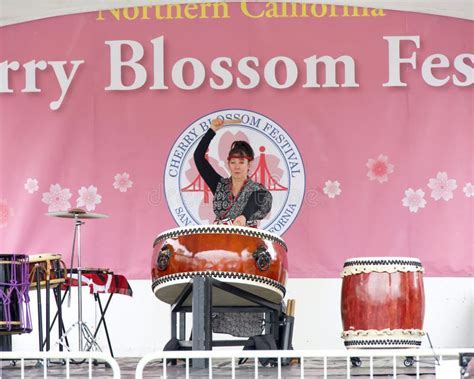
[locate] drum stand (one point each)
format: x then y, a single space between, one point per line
278 324
83 330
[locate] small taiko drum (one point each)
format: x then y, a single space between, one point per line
15 317
46 268
382 302
247 258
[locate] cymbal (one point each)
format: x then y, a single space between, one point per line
81 214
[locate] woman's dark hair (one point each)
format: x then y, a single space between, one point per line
241 149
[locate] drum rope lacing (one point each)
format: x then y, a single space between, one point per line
359 266
19 287
383 343
384 337
219 274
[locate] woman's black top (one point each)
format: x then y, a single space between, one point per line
254 201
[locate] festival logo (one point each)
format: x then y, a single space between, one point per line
277 165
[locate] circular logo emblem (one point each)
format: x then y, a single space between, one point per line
277 165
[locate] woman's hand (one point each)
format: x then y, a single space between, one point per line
216 124
240 221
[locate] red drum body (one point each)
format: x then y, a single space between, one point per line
248 258
382 303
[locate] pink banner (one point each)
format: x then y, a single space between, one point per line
361 120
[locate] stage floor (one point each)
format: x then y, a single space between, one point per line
314 369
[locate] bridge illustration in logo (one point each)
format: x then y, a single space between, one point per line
261 175
278 166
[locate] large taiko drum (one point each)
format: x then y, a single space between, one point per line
382 302
247 258
15 315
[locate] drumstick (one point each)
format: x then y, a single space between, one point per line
232 122
290 311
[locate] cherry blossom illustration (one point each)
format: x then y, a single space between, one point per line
442 187
271 160
226 141
265 169
88 197
31 185
206 212
57 198
6 213
197 184
379 168
194 183
469 190
332 188
414 200
122 182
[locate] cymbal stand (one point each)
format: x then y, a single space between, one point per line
83 330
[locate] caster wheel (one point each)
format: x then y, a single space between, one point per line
356 362
409 361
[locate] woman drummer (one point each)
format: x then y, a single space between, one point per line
238 199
